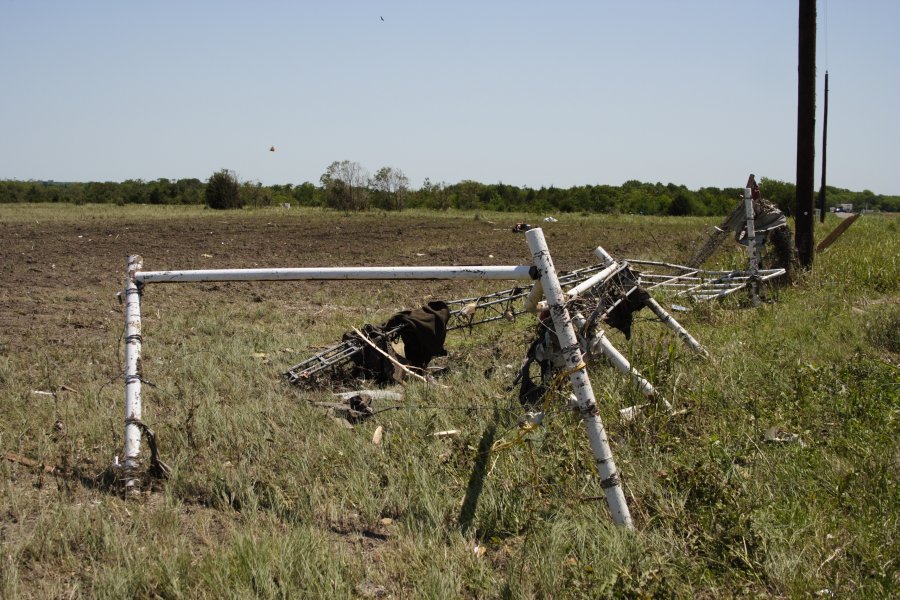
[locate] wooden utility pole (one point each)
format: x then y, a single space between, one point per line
806 132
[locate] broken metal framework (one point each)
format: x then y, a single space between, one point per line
695 284
596 293
493 307
753 222
464 313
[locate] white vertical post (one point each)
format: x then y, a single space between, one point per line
581 385
752 250
132 370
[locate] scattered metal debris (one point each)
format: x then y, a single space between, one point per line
753 221
373 394
697 285
446 434
780 436
570 334
33 464
465 313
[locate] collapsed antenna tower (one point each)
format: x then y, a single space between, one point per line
754 221
541 271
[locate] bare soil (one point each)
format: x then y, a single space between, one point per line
59 280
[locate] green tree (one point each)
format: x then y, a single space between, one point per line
779 193
390 187
346 186
306 194
253 193
223 190
682 204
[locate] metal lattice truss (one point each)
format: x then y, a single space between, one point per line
596 292
504 305
697 285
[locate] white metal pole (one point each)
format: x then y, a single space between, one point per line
578 378
601 341
331 273
675 326
598 278
132 370
604 256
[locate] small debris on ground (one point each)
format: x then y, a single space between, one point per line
373 394
376 437
446 434
778 435
367 589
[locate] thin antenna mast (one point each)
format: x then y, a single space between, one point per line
824 153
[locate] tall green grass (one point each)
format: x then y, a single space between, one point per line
271 497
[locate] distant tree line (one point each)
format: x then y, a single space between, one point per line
347 186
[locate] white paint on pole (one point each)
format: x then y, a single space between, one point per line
581 385
335 273
601 342
132 370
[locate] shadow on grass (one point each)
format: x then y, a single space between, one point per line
106 481
479 472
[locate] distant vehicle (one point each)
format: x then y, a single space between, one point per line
843 208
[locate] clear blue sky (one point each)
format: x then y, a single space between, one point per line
697 92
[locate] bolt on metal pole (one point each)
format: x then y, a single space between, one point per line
584 402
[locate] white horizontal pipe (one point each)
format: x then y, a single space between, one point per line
373 394
325 273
